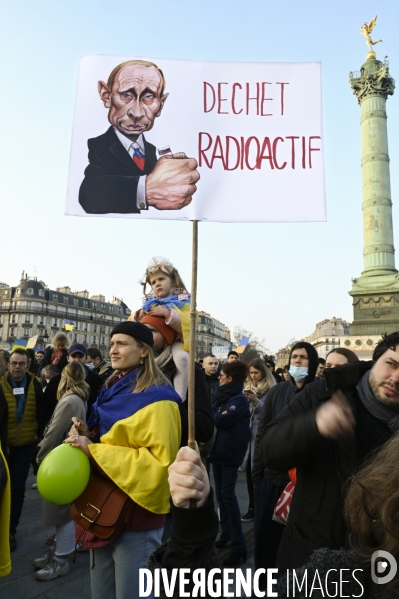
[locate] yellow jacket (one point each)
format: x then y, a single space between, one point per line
24 432
5 558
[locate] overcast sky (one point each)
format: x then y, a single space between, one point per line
278 280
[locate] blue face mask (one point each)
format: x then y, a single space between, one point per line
298 373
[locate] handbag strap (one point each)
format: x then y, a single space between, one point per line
92 510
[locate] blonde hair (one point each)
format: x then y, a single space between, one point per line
130 63
73 381
149 373
173 275
61 339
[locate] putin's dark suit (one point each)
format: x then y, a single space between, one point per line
111 179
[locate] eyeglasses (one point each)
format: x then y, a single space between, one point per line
18 363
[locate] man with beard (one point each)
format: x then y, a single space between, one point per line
163 339
328 432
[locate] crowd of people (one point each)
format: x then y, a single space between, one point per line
322 433
339 431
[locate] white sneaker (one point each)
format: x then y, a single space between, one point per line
43 560
55 568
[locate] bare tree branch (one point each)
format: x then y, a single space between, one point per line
256 348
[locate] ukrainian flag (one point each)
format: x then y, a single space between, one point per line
68 325
242 344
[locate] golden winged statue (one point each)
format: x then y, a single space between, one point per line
366 30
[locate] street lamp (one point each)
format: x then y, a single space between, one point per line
45 338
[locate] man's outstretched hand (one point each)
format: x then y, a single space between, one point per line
335 418
171 184
188 479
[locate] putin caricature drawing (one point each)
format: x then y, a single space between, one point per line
124 175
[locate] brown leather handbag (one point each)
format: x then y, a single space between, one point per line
103 508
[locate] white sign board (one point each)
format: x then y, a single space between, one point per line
217 350
183 140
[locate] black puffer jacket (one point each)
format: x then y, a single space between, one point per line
277 398
231 414
323 465
191 544
212 384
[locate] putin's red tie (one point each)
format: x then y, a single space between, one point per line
138 156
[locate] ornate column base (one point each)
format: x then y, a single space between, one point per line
375 305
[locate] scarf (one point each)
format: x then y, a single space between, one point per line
164 358
375 407
225 392
172 301
119 402
259 389
20 398
55 357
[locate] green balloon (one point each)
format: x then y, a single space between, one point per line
63 474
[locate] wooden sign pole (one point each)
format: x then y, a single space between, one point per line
193 310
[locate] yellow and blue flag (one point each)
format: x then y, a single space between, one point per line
69 325
242 344
181 303
19 344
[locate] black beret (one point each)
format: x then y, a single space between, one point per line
136 330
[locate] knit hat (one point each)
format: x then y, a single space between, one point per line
158 322
136 330
313 358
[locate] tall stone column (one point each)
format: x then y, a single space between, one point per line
376 292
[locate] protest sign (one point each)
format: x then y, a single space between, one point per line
220 351
32 341
252 133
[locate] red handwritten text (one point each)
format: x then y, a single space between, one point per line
246 98
292 151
